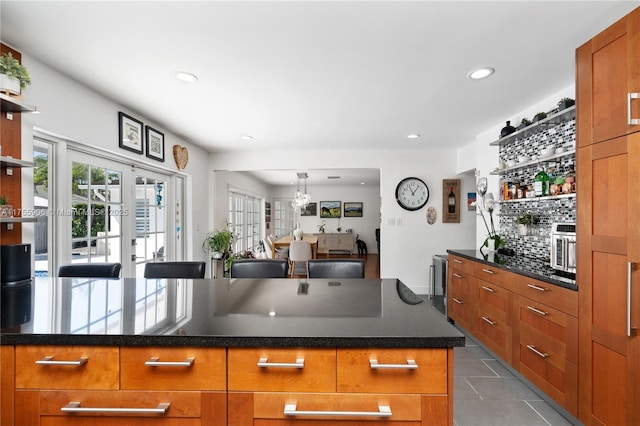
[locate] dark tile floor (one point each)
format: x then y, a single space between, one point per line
487 394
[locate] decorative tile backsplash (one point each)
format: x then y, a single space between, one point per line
548 209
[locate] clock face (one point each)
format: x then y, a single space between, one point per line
412 193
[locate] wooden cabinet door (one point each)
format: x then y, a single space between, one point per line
609 281
608 80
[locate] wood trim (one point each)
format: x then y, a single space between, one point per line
7 384
584 110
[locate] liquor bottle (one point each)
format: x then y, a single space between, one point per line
452 201
541 184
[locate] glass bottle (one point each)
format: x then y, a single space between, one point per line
541 184
452 201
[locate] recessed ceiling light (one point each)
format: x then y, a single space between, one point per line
246 137
186 77
481 73
413 136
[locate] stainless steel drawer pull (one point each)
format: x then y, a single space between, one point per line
488 271
383 411
535 287
458 301
458 261
537 311
75 407
410 365
263 362
537 352
48 360
154 362
632 121
489 289
489 321
457 275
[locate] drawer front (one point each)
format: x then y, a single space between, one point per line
327 407
392 370
461 264
557 330
280 369
67 367
552 373
493 275
460 310
461 283
495 300
173 368
181 404
495 333
559 298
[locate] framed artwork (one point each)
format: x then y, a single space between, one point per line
451 201
310 210
352 209
155 143
471 201
130 133
330 209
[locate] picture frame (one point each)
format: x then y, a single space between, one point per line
130 135
154 143
330 209
451 201
310 210
352 209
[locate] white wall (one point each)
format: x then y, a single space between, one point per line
407 241
77 113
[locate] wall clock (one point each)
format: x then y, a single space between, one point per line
412 193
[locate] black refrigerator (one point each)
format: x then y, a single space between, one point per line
439 283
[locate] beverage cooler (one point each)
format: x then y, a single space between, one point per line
15 285
439 282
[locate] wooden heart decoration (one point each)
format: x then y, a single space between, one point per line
181 156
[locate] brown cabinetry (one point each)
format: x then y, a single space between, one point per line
74 385
340 386
608 88
528 323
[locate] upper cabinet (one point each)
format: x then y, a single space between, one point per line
608 82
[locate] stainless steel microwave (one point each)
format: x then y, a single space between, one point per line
563 247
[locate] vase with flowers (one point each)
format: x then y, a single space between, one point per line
493 241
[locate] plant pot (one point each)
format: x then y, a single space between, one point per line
6 210
216 255
523 229
9 85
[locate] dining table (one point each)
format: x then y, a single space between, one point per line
286 242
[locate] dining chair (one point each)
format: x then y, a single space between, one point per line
182 269
336 268
259 268
90 270
280 253
299 251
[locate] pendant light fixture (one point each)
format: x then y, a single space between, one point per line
301 199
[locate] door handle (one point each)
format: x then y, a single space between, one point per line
263 362
75 407
630 329
632 121
292 410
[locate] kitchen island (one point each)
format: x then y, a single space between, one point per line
218 352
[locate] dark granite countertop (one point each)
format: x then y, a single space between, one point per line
222 312
534 268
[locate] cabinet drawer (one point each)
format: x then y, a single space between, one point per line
67 367
461 264
280 369
460 310
173 368
461 283
181 404
559 298
326 407
555 329
494 300
492 274
494 333
392 370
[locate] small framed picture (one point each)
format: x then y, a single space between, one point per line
330 209
155 144
310 210
130 133
352 209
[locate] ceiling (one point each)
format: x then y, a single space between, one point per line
313 74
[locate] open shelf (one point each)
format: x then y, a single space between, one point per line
549 197
18 219
15 162
12 104
533 162
551 120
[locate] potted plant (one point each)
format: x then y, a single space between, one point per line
524 220
218 242
524 123
13 76
539 116
6 210
565 103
